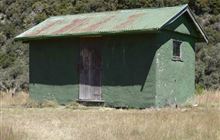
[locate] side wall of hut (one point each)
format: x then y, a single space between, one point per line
175 80
128 70
53 70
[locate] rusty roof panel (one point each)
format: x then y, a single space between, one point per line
103 22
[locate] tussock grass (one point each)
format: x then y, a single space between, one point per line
101 124
8 133
75 105
200 121
49 103
208 99
22 99
18 99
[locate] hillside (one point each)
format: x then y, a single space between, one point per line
17 16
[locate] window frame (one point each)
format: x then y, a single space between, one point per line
174 56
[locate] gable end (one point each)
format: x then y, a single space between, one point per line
185 22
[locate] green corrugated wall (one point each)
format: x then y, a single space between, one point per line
174 79
128 78
128 70
53 73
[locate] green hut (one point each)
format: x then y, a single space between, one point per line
128 58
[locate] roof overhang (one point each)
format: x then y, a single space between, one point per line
91 34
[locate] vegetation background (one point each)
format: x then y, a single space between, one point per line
17 16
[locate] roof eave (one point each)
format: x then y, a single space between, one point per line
201 30
89 34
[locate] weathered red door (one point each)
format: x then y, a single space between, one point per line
90 69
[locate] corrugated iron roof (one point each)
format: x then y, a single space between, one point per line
102 23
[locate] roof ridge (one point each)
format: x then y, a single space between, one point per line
184 8
119 10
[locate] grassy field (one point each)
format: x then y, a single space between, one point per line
199 119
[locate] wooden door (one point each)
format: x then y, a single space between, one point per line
90 70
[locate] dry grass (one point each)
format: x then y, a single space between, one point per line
19 99
198 122
99 124
209 99
8 133
22 99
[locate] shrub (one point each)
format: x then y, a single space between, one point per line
199 89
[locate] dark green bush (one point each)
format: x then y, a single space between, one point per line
18 15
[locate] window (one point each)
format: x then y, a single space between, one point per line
177 50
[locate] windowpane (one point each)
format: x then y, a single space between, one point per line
176 49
